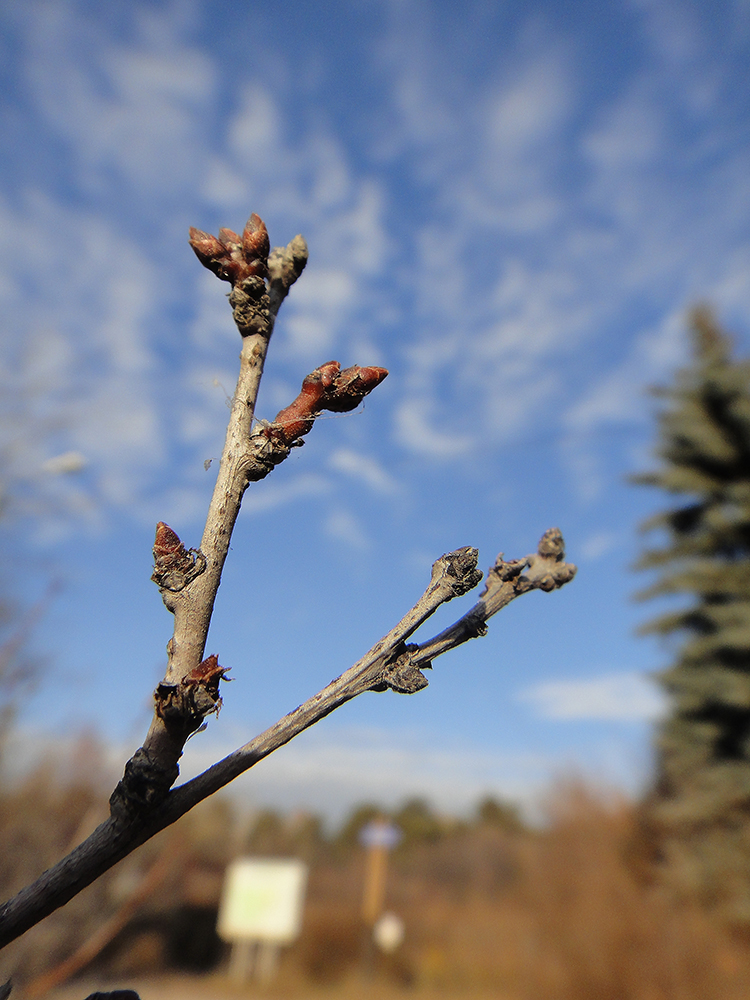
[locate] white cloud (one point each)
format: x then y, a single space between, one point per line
630 135
225 186
333 769
307 186
132 117
415 430
320 303
343 526
267 495
598 544
78 376
364 468
618 697
328 769
611 398
255 131
672 30
535 281
526 113
128 107
519 283
66 464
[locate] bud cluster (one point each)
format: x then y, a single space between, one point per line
231 257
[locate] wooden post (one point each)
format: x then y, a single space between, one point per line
375 875
378 837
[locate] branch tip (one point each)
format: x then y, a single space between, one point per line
255 242
231 257
326 388
552 544
458 570
546 569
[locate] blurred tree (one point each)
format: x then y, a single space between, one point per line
417 822
503 815
360 816
19 669
700 806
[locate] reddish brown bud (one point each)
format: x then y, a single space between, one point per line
255 240
174 565
352 385
202 686
167 543
206 246
327 388
183 706
230 239
207 672
198 237
231 257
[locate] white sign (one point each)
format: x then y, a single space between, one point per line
262 900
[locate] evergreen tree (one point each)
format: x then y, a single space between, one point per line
700 806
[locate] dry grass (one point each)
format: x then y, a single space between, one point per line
572 912
569 913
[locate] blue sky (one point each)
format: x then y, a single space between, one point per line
510 206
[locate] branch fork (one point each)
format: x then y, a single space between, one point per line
144 801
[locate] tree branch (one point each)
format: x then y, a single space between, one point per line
389 664
142 803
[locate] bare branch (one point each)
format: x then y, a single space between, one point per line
543 570
189 579
142 803
157 873
389 664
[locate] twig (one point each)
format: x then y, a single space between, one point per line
389 664
260 282
543 570
142 803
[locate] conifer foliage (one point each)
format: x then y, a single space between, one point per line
700 806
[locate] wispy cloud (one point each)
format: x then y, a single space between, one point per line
364 468
267 495
345 527
551 289
598 544
416 431
132 113
546 264
618 697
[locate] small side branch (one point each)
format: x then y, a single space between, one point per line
327 388
544 570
